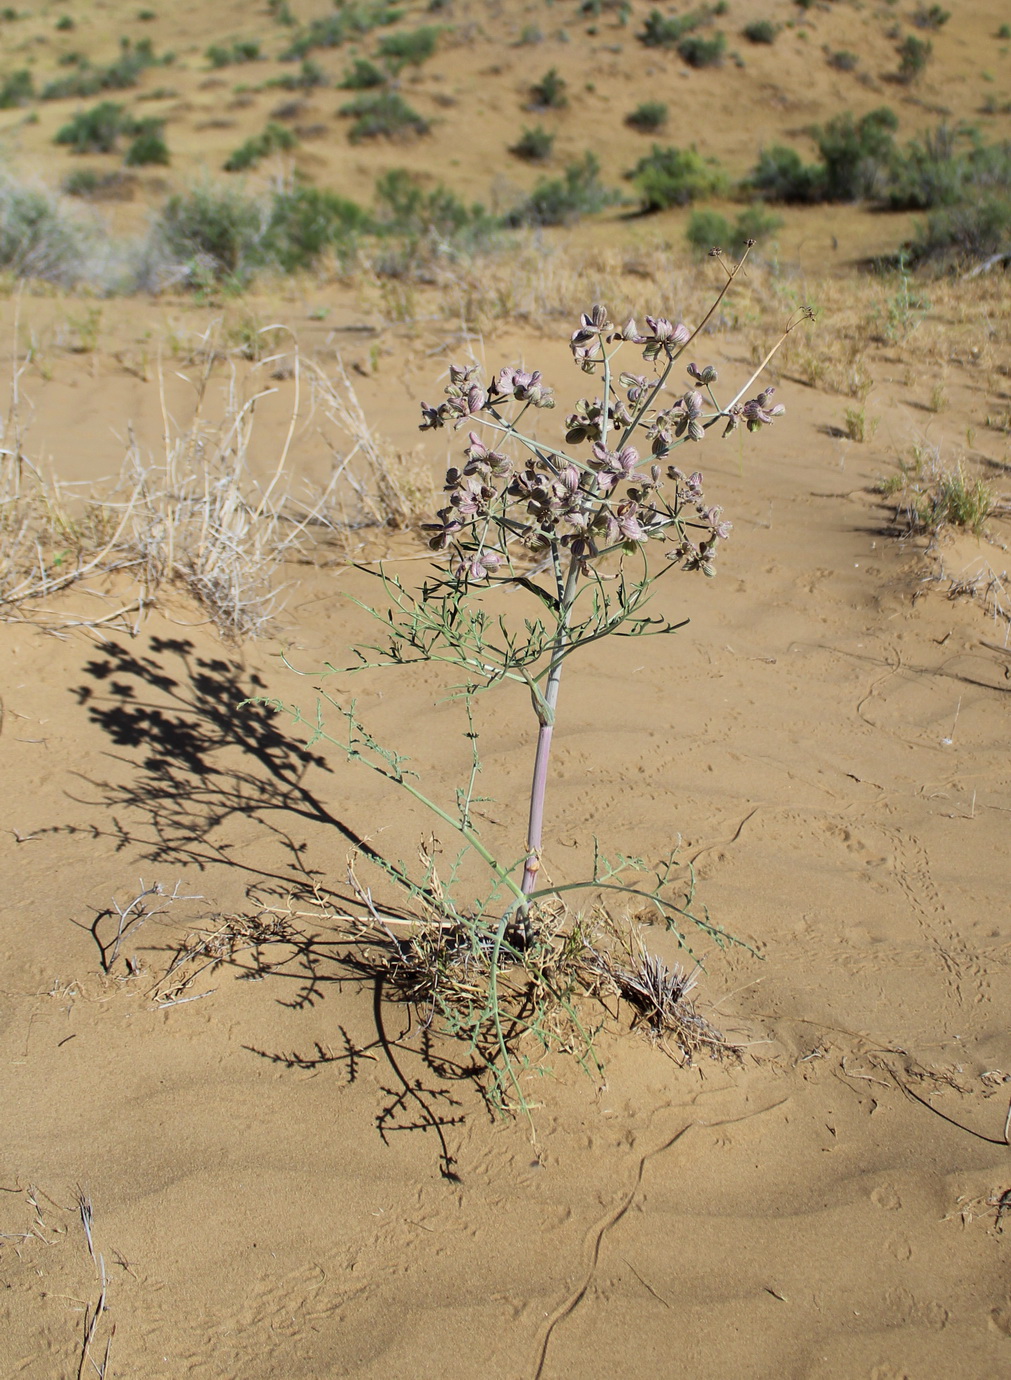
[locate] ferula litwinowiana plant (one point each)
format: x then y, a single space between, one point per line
585 529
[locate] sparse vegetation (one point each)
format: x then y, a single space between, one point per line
930 17
914 54
274 139
702 52
125 72
562 201
930 496
363 75
148 146
549 93
534 145
97 130
671 176
225 55
761 31
383 116
17 88
648 117
667 32
408 49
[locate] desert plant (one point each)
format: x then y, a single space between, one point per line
671 176
212 234
386 115
756 223
95 131
309 76
17 88
363 75
930 17
242 50
761 31
782 175
274 139
134 59
405 209
569 527
648 117
702 52
533 145
929 495
858 426
914 54
408 49
306 221
37 239
843 60
856 154
708 230
549 93
667 32
148 146
561 201
978 228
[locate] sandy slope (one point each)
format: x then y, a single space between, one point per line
269 1178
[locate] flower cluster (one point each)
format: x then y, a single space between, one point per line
605 499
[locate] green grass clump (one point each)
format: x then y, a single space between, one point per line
702 52
242 50
383 116
363 75
134 60
930 17
309 75
842 60
409 49
405 208
274 139
562 201
663 32
977 229
307 221
648 117
17 88
708 229
95 131
148 147
761 31
856 158
549 93
914 54
533 145
930 497
353 19
671 176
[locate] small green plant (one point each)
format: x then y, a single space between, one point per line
648 117
274 139
213 235
859 427
363 75
17 88
914 54
408 49
309 76
761 31
842 60
562 201
930 496
148 146
702 52
530 35
671 176
664 32
534 145
146 16
575 529
757 223
307 221
280 12
938 398
95 131
242 50
549 93
383 116
905 309
64 24
1004 32
930 17
134 59
708 232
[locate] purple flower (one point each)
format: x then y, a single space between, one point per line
478 565
757 412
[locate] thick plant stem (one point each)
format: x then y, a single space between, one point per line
538 786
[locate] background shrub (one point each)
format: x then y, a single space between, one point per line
761 31
96 130
362 75
708 230
534 145
17 88
274 139
309 75
561 201
667 32
408 49
675 177
648 117
914 54
242 50
37 240
148 146
702 52
307 221
214 233
386 115
549 92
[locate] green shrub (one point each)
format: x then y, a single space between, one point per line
148 147
404 207
307 221
708 230
309 75
353 19
914 54
37 240
756 223
386 115
856 154
408 49
549 92
975 229
242 50
843 60
782 175
702 52
662 32
145 16
648 117
65 23
534 145
362 75
96 130
217 233
1004 32
125 72
561 201
92 185
17 88
274 139
930 17
675 177
761 31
